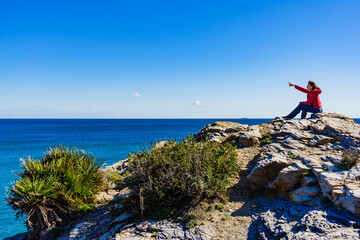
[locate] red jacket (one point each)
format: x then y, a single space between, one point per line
313 98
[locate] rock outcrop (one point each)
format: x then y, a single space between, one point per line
301 158
112 221
285 220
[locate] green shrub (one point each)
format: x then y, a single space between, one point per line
162 213
292 155
54 187
220 207
181 172
309 173
349 160
116 177
266 138
191 221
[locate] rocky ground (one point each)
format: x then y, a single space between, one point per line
294 184
302 161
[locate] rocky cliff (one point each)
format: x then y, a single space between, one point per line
311 161
305 159
299 179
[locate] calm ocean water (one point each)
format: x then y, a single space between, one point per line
108 139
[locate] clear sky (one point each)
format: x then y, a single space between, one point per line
176 59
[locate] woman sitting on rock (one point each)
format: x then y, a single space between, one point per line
312 104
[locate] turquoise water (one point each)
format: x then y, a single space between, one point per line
108 139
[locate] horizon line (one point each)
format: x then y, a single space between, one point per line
130 118
139 118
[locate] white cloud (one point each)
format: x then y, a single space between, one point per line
137 94
196 103
182 108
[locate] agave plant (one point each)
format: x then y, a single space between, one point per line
54 187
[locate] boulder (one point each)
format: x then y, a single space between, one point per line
301 135
272 227
332 184
164 229
351 201
215 129
236 129
108 195
250 138
305 194
79 230
283 220
227 124
316 222
292 143
289 177
321 140
120 219
265 171
336 159
309 181
351 197
294 127
274 148
118 166
339 125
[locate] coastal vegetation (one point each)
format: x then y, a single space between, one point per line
178 174
55 187
349 159
163 182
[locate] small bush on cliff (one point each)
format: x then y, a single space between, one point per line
54 187
116 177
266 139
180 172
349 160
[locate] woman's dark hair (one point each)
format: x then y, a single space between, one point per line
314 86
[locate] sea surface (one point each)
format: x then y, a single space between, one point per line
108 139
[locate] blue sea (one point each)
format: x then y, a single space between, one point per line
108 139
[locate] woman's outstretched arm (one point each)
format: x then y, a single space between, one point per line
298 88
304 90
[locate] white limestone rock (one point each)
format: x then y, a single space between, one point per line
321 140
250 138
268 169
305 194
289 177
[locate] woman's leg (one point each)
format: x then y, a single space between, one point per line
305 109
294 112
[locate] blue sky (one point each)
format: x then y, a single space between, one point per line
176 59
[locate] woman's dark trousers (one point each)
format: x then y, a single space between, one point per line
305 109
